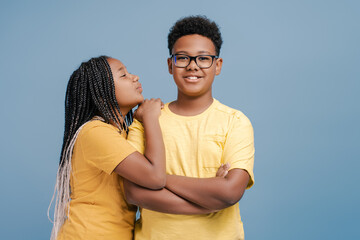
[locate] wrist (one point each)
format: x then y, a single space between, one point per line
150 120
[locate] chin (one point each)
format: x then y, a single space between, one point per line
139 101
134 104
193 93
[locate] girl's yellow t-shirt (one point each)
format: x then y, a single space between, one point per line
98 209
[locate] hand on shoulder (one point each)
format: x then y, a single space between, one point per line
149 109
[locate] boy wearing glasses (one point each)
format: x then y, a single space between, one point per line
200 134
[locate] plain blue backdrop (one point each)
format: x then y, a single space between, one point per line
293 67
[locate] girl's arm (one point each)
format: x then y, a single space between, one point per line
147 170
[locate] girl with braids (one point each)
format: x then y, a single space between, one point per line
95 156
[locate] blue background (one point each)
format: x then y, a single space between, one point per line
291 66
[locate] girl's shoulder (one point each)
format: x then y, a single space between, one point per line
97 127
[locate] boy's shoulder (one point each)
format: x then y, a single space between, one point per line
231 112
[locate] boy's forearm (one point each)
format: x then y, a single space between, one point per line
161 200
211 193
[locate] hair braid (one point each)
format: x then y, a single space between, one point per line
90 92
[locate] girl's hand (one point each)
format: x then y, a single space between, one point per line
223 170
149 109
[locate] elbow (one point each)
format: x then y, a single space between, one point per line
158 182
232 197
225 201
231 201
130 199
130 195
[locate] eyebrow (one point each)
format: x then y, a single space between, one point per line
121 68
200 52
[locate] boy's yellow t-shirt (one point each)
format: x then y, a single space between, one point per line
98 209
196 146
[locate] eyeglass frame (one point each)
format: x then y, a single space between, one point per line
194 58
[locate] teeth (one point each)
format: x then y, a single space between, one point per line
192 78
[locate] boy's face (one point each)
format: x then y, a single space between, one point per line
192 80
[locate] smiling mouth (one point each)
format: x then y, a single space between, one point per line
192 79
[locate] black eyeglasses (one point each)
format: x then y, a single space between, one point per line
183 60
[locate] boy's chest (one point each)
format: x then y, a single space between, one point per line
193 149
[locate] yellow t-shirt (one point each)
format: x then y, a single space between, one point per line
195 147
98 209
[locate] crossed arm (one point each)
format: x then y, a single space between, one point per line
186 195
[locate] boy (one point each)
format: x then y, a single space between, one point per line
200 134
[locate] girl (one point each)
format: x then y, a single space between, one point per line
96 157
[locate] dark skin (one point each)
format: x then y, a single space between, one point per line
164 200
147 170
187 195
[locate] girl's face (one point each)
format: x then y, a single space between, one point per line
127 87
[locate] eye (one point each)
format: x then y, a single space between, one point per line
123 75
204 58
181 57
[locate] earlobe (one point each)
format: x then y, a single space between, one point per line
169 62
219 63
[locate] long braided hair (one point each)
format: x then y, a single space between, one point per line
90 95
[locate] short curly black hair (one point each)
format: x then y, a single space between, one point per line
195 25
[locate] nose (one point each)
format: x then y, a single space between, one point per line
135 78
192 64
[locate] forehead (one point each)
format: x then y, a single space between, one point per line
115 65
194 44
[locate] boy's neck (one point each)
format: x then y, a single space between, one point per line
191 106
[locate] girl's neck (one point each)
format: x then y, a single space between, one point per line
124 113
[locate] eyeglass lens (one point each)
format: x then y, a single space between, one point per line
184 60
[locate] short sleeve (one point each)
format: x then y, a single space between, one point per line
239 146
136 136
103 146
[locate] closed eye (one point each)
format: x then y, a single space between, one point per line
204 58
181 57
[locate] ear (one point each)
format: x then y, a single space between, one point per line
218 66
169 62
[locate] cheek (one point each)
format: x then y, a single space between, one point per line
177 76
126 95
179 83
121 92
120 98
